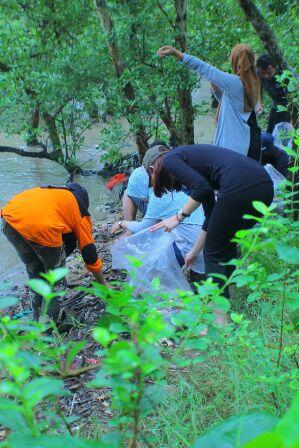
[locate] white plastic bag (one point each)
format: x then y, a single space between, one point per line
281 134
276 177
155 251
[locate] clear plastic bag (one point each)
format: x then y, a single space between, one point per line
155 251
281 134
276 177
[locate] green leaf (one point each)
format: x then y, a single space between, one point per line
19 440
236 431
118 327
11 416
222 303
103 336
198 344
261 207
287 253
74 351
6 302
54 276
40 388
156 283
288 427
237 318
40 287
242 280
254 296
266 440
281 108
134 262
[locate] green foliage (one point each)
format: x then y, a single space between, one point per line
136 364
61 67
236 431
255 431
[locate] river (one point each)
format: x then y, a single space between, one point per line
19 173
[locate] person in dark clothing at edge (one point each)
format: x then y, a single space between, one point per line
278 158
203 169
44 225
267 71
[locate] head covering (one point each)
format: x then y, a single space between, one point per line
81 195
243 64
152 154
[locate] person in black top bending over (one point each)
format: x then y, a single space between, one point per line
203 169
267 71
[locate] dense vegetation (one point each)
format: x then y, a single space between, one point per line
64 65
168 384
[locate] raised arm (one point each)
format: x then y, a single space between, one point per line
225 81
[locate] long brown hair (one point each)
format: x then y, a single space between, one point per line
243 64
161 180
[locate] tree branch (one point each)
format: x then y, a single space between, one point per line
21 152
263 30
167 16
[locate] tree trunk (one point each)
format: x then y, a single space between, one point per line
93 111
264 32
33 127
141 139
184 94
174 135
119 67
53 132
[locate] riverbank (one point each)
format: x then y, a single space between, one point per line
19 173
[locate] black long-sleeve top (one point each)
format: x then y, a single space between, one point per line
275 90
206 168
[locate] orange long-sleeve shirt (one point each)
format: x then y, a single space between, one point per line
44 215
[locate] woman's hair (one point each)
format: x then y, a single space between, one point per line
243 64
161 180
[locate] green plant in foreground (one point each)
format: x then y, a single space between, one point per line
141 350
255 431
32 368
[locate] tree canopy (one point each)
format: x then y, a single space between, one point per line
65 63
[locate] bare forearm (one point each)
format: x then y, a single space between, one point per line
129 208
178 54
200 242
190 206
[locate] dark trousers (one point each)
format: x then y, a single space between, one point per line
37 259
226 219
277 117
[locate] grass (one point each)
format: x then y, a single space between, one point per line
226 384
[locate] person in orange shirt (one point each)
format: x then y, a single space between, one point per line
45 224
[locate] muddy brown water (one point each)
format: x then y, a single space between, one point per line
19 173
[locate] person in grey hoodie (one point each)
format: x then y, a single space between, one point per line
238 94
